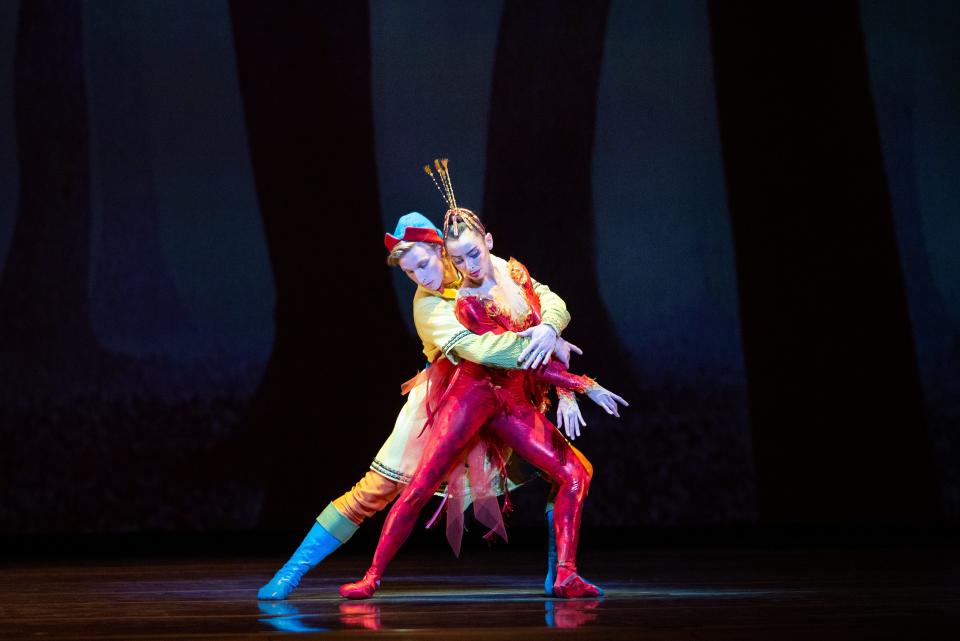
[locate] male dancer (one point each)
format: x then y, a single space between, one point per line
417 239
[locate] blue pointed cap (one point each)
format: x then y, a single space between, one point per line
413 227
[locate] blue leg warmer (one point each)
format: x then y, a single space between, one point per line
551 554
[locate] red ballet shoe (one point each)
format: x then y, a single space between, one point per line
362 589
570 585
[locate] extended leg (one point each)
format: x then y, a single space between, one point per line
373 493
335 525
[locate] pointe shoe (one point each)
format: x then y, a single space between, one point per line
570 585
362 589
315 547
551 556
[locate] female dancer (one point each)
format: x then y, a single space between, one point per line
499 297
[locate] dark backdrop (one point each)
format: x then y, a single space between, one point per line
750 212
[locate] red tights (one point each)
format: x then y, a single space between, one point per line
481 397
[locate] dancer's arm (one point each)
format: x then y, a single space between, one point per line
557 375
471 313
553 311
569 417
443 335
544 337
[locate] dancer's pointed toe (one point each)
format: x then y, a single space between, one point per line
275 591
362 589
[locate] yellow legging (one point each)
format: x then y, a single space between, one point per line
370 495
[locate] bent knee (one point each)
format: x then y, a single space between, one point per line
583 459
587 467
576 478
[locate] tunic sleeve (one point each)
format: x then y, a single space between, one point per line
553 310
443 335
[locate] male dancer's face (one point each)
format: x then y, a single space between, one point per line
470 253
423 264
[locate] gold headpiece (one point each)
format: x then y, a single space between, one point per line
444 186
455 215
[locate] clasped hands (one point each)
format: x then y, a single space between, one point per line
544 344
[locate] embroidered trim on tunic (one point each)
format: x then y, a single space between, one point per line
400 477
390 473
450 344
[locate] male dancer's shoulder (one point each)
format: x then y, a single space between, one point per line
436 323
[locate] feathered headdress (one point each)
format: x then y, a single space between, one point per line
455 215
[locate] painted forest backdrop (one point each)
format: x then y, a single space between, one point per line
750 211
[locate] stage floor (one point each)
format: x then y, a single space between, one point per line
652 594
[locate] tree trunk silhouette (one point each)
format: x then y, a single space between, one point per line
330 393
899 90
134 300
45 334
538 191
899 49
836 411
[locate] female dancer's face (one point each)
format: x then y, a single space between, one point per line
471 255
423 265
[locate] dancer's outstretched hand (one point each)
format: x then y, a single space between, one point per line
562 351
569 418
606 399
543 338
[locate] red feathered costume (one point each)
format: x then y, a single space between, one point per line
476 396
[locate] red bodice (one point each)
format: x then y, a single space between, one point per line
481 315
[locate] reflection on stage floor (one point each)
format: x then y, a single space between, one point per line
650 594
